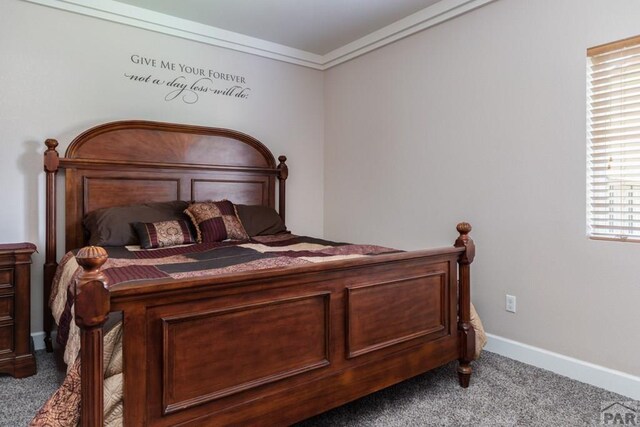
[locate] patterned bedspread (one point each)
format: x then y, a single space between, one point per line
127 264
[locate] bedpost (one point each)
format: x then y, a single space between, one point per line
465 330
92 305
51 162
283 174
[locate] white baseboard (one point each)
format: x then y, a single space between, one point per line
38 340
599 376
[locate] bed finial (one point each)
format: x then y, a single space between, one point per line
283 169
91 258
283 174
51 162
92 306
51 144
92 297
464 228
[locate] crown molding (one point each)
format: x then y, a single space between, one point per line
433 15
114 11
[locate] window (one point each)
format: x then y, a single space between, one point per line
614 140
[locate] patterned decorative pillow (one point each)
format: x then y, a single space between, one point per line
163 234
216 221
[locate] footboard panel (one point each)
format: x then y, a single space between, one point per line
273 350
383 314
241 347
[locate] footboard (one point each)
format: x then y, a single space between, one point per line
276 347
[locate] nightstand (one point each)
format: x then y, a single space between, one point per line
16 348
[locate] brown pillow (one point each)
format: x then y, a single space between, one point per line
114 226
163 234
216 221
260 220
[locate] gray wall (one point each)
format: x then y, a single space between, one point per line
483 119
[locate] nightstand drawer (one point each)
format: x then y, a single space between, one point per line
6 278
16 354
6 307
6 339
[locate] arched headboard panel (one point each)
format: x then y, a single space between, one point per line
154 142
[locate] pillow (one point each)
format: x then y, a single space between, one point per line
216 221
260 220
163 234
113 226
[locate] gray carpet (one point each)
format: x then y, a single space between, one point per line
20 399
503 392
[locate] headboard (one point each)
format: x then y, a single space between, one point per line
131 162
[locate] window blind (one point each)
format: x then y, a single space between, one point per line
613 210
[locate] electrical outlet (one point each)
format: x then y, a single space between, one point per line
510 303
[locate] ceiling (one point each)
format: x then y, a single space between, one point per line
315 26
318 34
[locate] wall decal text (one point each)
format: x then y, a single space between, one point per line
186 83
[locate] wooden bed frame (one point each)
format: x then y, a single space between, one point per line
320 335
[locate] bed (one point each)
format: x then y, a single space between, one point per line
327 333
